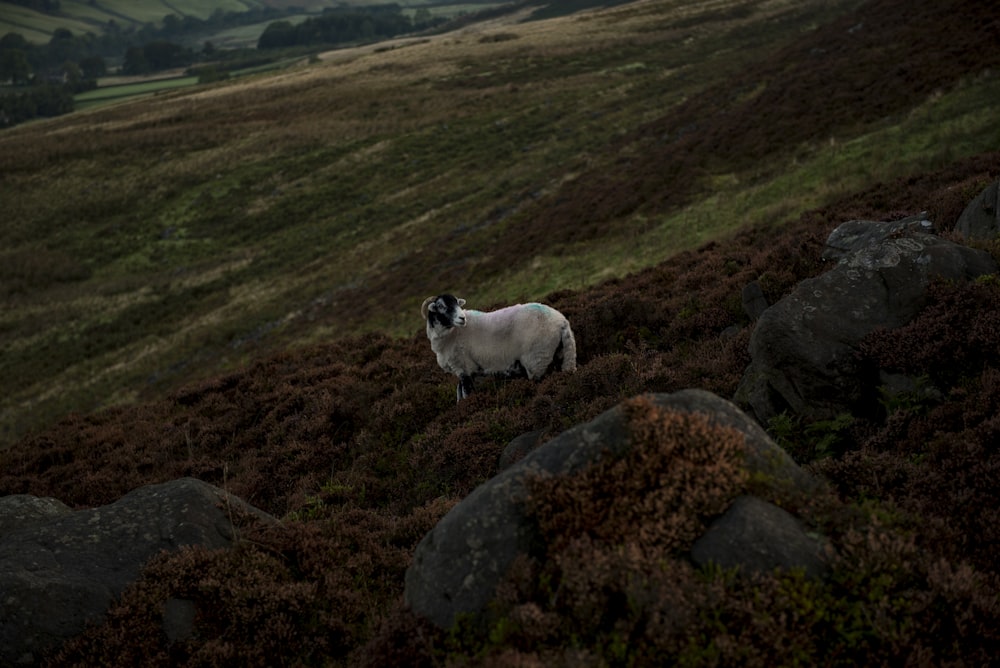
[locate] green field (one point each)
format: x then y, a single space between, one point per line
109 91
107 94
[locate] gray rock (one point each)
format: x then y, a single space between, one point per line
22 510
754 301
519 448
758 537
857 235
58 573
457 566
981 218
804 348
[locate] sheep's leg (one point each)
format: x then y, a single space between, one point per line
465 386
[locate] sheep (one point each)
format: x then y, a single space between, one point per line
517 341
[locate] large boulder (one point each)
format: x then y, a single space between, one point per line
804 348
61 569
457 566
981 218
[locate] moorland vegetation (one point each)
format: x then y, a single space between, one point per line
226 284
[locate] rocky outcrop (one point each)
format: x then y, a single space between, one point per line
60 569
458 565
804 348
981 218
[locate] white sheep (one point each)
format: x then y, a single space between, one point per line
521 340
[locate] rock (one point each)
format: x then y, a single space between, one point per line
981 218
23 510
757 536
858 235
804 348
754 301
457 566
60 569
519 448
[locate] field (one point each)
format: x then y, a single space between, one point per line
112 93
110 90
81 16
224 281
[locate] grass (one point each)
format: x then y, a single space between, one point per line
106 94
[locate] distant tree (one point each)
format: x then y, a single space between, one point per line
208 49
162 55
48 6
14 40
14 67
135 61
171 25
33 101
367 29
74 79
93 67
277 35
63 46
422 18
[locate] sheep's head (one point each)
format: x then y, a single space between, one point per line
444 311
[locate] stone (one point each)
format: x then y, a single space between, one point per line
60 570
804 349
981 218
756 536
458 564
519 448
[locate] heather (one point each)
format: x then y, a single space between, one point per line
360 447
351 434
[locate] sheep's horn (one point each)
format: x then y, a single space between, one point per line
423 307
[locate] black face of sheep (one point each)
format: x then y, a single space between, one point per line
517 341
444 312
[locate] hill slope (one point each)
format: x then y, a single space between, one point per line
154 242
185 235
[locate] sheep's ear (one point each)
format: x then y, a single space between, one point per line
425 307
461 303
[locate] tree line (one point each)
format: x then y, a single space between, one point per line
342 25
41 79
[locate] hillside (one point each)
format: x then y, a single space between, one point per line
236 273
37 21
177 237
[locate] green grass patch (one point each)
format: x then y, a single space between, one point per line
107 94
